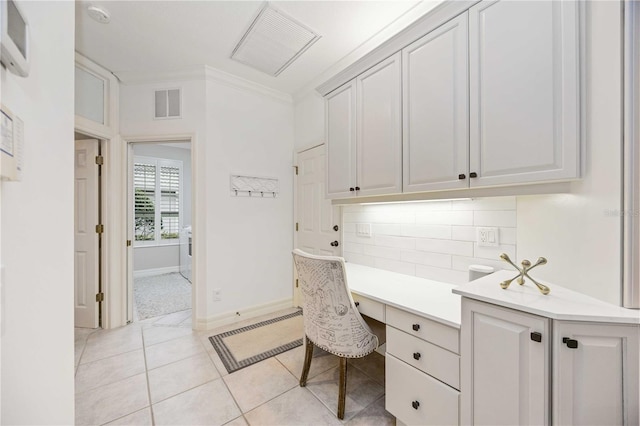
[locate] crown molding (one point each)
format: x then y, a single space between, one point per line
213 74
151 77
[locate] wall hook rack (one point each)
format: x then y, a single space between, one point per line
524 272
251 186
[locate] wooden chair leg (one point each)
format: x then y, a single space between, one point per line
342 391
308 354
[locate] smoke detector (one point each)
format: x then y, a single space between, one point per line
99 14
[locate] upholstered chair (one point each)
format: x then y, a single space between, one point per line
331 320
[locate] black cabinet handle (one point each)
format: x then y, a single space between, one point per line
473 175
416 327
335 244
352 189
357 188
335 228
573 344
536 337
415 405
357 304
462 176
416 356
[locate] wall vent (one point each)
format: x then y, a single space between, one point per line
168 103
273 42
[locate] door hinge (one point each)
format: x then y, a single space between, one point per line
100 297
296 167
99 229
296 226
296 283
99 160
128 243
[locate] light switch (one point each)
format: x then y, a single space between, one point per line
487 237
363 229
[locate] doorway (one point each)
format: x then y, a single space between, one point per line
160 229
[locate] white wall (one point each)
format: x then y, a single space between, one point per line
309 120
434 240
37 229
580 233
250 239
165 256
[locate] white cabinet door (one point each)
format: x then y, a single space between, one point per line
595 374
504 370
524 91
435 109
379 134
340 113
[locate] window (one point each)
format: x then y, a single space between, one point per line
157 185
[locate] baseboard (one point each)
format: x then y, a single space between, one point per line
242 314
156 271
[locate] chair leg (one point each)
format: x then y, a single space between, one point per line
308 354
342 391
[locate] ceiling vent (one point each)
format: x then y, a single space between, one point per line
273 42
168 103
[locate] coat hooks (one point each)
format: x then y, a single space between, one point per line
253 186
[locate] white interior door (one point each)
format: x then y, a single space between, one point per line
318 222
86 238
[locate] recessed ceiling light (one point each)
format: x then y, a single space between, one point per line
273 42
99 14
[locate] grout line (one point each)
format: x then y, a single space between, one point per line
146 373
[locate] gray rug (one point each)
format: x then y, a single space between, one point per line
161 295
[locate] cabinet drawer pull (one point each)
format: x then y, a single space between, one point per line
416 356
573 344
462 176
352 189
415 405
473 175
357 188
536 337
416 327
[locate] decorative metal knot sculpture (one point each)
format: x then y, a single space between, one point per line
524 272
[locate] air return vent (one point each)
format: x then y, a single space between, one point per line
273 42
168 104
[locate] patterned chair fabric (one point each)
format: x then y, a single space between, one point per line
331 320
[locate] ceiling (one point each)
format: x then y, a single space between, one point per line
163 36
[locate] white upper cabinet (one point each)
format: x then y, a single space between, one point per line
524 91
435 109
591 365
364 145
340 113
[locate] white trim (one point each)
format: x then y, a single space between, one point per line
227 79
155 271
109 128
243 314
147 77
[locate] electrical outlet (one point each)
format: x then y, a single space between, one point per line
216 295
487 237
363 229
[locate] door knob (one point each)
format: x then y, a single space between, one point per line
416 356
335 228
335 244
415 404
415 327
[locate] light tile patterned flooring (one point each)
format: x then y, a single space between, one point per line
160 372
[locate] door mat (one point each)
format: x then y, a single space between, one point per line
244 346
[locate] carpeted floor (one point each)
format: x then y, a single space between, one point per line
161 295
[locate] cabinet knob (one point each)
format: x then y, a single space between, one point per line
357 188
415 405
415 327
416 356
357 304
536 337
352 189
462 176
335 228
573 344
335 244
473 175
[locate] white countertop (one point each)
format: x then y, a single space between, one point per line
427 298
559 304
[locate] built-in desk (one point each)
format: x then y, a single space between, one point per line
423 342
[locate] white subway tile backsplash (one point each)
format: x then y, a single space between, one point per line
460 248
506 218
434 240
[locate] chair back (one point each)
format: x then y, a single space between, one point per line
331 320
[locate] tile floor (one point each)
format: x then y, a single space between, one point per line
160 372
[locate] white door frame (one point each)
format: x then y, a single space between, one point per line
125 201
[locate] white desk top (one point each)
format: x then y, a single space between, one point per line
427 298
560 303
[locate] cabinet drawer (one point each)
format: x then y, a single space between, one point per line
427 357
425 329
416 398
369 307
